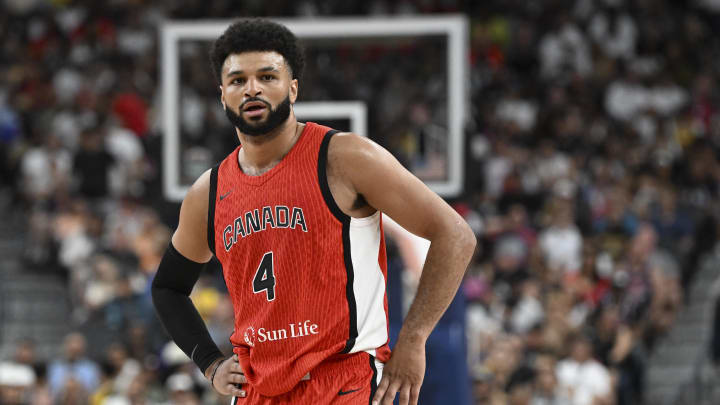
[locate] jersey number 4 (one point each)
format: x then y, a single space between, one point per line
264 277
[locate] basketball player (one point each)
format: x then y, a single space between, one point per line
294 217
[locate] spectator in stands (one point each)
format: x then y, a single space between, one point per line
614 30
46 170
546 390
564 50
125 368
182 389
582 380
16 383
73 376
26 353
92 165
561 242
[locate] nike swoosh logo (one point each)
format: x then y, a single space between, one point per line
225 195
341 392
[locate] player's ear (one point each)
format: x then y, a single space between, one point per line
222 97
293 90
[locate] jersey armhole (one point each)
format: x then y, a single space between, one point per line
323 180
211 208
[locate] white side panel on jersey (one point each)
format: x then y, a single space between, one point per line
369 283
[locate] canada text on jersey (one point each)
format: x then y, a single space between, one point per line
259 220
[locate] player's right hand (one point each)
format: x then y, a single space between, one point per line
229 377
403 374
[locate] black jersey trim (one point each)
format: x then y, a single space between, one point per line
211 208
373 381
345 220
349 292
322 178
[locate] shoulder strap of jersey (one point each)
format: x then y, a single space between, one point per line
211 208
322 177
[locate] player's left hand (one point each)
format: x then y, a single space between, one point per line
403 373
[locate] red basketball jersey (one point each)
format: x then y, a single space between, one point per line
306 280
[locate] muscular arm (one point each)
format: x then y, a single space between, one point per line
373 173
387 186
177 274
175 278
190 237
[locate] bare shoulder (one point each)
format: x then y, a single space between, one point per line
190 237
199 191
348 152
349 144
348 155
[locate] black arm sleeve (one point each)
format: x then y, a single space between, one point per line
171 289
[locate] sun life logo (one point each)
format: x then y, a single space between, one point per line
250 336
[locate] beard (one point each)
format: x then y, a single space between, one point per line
274 119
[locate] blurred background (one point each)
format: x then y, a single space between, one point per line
591 177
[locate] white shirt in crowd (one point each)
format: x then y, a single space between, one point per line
581 383
562 247
41 169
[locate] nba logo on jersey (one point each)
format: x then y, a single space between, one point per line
250 336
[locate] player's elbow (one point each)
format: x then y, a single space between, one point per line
163 294
458 233
467 240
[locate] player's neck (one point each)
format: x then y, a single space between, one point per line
260 153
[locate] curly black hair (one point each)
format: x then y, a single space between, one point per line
257 35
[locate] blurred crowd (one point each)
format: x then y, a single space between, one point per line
591 181
594 173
